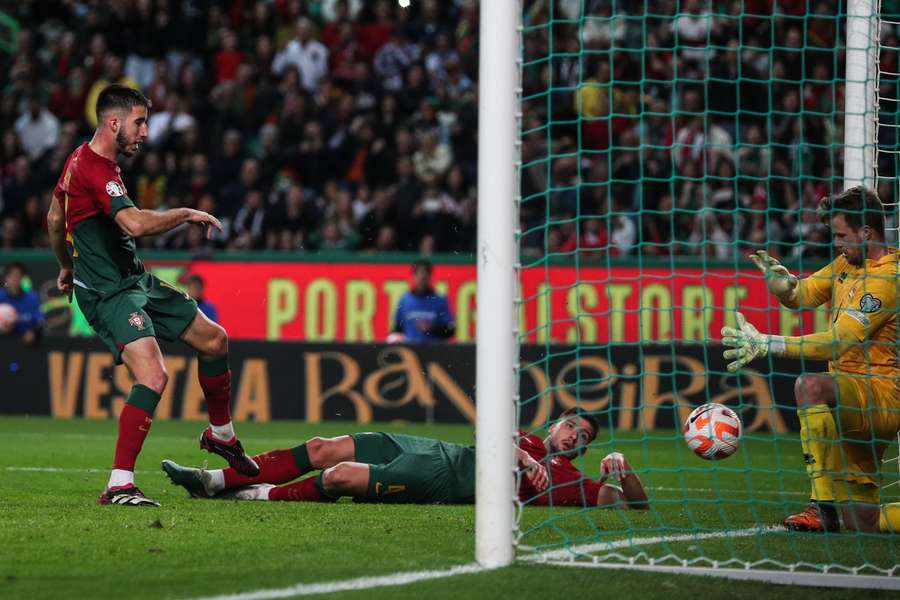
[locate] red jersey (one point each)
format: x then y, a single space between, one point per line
91 191
568 485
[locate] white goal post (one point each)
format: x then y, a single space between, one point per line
497 256
861 103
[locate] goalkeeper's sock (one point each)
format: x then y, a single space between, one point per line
215 381
134 424
308 490
275 466
889 519
818 433
829 514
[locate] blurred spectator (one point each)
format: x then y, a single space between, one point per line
173 118
151 183
29 317
112 73
291 223
422 314
37 128
228 58
196 287
305 54
247 228
433 158
664 110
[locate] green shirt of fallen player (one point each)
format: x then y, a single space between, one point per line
92 224
382 467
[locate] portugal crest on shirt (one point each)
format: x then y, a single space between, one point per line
136 320
113 188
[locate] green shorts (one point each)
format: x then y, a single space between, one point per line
151 307
407 469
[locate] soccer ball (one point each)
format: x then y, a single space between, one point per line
7 318
712 431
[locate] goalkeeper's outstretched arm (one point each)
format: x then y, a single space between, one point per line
746 343
790 290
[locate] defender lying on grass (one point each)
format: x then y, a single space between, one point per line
383 467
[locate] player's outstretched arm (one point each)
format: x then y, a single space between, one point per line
790 290
136 222
56 228
746 343
632 494
779 280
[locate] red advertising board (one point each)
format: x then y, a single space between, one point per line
356 301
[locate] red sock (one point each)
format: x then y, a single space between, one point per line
302 491
217 391
275 466
134 424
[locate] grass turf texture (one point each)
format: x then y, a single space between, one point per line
55 539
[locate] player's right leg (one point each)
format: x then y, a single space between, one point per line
869 426
815 396
275 466
145 362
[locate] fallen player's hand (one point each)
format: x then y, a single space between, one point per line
613 465
779 280
536 474
745 343
198 217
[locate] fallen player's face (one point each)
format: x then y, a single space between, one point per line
133 132
570 435
847 241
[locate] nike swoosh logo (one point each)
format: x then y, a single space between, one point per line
698 415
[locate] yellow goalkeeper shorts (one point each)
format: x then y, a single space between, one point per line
869 415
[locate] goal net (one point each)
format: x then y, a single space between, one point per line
661 143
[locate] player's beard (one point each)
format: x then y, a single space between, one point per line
854 256
124 145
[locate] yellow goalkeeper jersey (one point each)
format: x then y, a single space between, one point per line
864 305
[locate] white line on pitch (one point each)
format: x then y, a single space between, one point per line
66 470
347 585
658 488
647 541
404 578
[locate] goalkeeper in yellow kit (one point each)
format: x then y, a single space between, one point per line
850 414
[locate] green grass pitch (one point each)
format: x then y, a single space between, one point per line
55 541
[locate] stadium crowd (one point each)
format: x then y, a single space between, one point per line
344 124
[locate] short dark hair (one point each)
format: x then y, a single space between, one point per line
577 412
15 266
859 206
122 97
194 278
423 264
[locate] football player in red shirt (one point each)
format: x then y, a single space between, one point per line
92 224
550 478
382 467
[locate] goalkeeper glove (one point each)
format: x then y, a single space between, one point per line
746 344
778 279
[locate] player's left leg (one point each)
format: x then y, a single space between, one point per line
211 343
875 428
815 396
861 512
